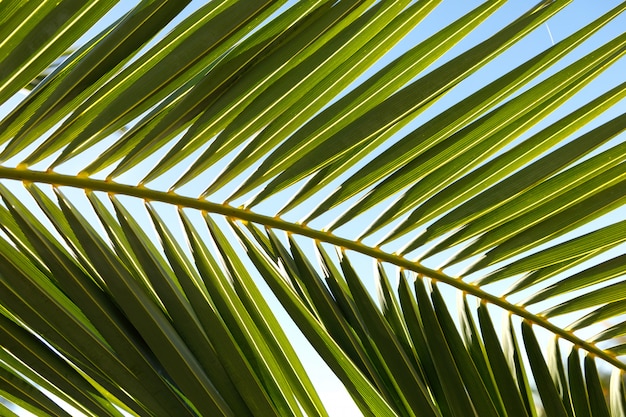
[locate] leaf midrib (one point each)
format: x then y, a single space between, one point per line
245 215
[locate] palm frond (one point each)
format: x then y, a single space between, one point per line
212 116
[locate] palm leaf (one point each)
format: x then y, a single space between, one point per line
211 115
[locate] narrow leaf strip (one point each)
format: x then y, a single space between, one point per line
596 390
550 398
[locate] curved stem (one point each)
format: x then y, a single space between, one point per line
147 194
